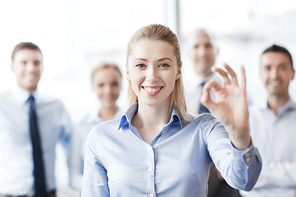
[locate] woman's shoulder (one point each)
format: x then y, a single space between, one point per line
204 122
203 118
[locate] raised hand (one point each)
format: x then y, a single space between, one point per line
231 107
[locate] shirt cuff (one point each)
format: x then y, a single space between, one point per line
244 155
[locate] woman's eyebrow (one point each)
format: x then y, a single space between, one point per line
141 59
162 59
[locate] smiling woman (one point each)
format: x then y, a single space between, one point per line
169 51
156 148
152 78
155 72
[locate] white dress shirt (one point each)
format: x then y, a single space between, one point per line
275 137
16 154
77 147
193 91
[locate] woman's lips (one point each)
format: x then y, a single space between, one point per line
152 90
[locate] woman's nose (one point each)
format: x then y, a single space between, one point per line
152 75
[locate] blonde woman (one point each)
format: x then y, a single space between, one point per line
106 83
156 148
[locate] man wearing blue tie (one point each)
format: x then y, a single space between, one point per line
30 126
202 52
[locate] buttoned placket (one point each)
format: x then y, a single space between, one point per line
151 162
274 121
150 170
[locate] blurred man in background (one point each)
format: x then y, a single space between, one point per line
30 126
203 52
273 126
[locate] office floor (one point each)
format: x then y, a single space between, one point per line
65 191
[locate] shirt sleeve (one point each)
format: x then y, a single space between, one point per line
240 169
75 159
281 174
65 133
66 129
95 180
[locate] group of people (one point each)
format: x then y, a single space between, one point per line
156 147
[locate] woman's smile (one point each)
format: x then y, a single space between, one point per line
152 90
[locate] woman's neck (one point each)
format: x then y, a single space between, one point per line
107 113
149 120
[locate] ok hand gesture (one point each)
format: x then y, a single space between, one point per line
231 107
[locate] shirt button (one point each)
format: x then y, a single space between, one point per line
163 132
150 149
151 195
150 169
247 157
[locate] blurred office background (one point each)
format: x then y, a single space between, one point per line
74 35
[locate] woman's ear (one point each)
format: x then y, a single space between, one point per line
127 72
178 74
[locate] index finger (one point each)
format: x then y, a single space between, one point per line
244 79
223 74
232 74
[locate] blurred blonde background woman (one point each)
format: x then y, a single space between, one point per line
156 148
106 83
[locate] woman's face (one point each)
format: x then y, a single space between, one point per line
152 70
107 86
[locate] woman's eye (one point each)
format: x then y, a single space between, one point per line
114 84
164 65
140 65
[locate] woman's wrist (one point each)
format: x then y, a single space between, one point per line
241 138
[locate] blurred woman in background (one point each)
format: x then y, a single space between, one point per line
106 83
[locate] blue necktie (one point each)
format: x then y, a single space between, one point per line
202 108
39 175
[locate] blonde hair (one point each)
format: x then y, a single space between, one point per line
157 32
104 65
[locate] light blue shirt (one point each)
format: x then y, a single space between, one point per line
275 137
16 159
118 162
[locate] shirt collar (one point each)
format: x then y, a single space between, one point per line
93 117
126 119
288 105
22 95
176 118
